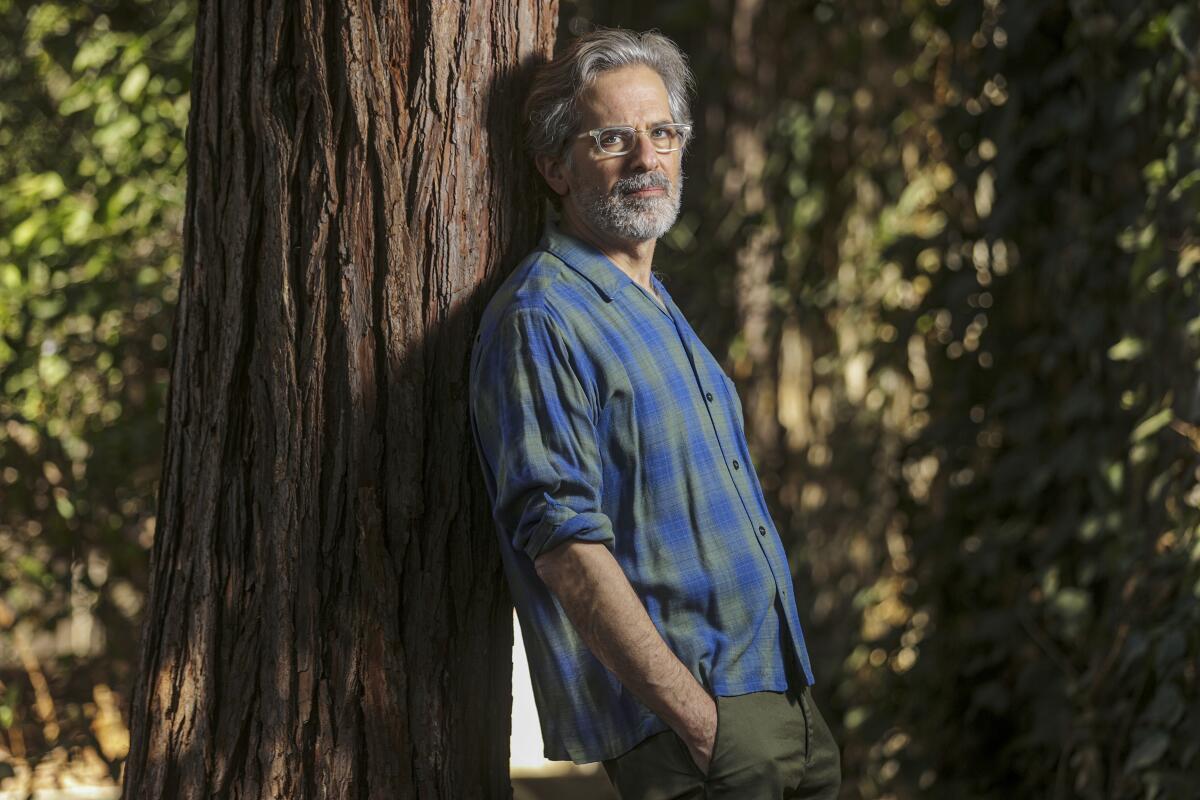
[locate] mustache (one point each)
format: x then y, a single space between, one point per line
646 180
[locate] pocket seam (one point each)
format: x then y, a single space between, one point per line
716 737
808 726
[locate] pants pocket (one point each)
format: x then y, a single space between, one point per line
716 740
806 710
687 754
658 768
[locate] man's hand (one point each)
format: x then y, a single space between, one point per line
601 604
700 743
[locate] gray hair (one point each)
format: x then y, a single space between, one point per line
552 108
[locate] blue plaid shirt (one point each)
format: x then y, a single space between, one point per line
600 417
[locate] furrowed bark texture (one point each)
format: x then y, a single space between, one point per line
327 617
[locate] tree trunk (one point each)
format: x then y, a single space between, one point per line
752 81
327 616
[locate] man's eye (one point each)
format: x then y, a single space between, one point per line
661 133
611 137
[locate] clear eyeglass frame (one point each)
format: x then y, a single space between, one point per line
618 140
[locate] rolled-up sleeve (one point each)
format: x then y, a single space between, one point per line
535 428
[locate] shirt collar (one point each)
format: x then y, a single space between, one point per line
589 262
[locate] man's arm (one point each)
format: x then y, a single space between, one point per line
593 590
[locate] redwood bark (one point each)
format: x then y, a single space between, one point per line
327 617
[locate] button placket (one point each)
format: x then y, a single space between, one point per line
684 340
740 486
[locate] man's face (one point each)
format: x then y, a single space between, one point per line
634 196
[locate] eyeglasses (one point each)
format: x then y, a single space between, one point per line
620 139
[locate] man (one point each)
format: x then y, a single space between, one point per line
653 593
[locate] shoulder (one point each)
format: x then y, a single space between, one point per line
535 329
542 289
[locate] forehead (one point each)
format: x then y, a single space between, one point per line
634 94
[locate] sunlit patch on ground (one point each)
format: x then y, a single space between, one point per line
80 775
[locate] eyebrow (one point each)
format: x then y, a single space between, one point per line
627 125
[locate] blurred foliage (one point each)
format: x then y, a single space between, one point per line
93 106
950 251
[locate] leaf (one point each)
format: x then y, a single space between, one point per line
1072 602
64 506
1127 349
23 234
1151 425
1115 475
52 368
10 276
135 81
43 186
1167 706
1148 751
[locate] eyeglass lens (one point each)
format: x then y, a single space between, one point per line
621 140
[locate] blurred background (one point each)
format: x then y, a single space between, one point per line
948 250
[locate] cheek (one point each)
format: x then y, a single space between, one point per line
595 180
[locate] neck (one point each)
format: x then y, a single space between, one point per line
632 256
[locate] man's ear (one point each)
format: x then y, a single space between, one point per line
554 171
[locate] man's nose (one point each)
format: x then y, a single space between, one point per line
644 157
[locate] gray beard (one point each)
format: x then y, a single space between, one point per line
635 218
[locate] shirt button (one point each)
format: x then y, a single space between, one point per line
762 531
708 396
735 464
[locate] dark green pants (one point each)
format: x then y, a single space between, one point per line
770 745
